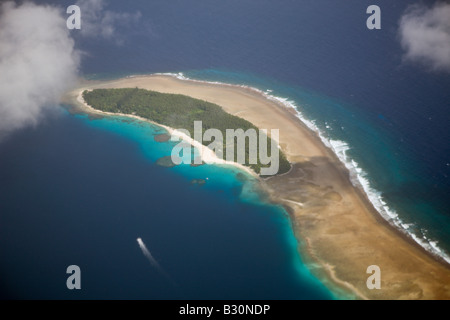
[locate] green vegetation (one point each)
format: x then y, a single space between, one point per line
176 111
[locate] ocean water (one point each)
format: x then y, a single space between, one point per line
80 191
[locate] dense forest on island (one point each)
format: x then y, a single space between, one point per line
179 112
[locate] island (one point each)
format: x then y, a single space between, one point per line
181 111
340 234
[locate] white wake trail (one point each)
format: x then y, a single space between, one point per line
147 253
152 260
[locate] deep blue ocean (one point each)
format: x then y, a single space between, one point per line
75 190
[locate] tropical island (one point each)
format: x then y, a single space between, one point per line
340 233
178 111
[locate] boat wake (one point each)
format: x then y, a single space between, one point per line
153 261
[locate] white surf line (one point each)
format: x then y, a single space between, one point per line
153 261
358 177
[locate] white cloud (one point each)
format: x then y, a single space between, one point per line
425 35
97 22
38 62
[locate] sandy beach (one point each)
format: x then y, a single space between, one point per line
340 233
207 155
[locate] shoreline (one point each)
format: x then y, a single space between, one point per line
206 154
356 174
335 213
